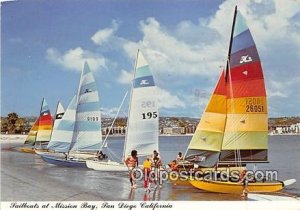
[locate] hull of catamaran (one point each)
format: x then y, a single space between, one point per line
31 150
63 162
236 187
106 165
83 156
263 197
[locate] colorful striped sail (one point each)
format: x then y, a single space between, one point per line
205 146
30 140
63 129
87 131
246 131
40 132
142 125
234 126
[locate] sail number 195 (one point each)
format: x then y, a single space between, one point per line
149 115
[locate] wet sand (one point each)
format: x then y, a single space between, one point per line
26 177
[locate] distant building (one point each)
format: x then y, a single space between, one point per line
286 129
173 130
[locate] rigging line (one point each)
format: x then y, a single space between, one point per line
110 128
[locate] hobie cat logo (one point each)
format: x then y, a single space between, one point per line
245 59
144 82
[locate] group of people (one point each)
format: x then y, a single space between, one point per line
152 163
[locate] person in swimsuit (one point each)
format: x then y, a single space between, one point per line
132 162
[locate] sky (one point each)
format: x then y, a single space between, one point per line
44 45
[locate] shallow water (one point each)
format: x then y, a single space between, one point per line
28 177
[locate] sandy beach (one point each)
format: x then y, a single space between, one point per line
26 177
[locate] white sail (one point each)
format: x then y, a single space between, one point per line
59 114
62 133
87 132
142 127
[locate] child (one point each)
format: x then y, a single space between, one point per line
147 168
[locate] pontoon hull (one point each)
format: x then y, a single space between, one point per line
31 150
62 162
106 165
236 187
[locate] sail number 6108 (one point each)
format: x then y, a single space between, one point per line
149 115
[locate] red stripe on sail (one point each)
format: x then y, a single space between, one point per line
246 72
221 86
250 88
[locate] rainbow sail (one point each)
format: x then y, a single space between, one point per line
205 146
40 132
30 140
234 126
246 131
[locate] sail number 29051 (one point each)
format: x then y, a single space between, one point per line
254 108
255 104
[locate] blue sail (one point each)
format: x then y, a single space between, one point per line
62 133
87 130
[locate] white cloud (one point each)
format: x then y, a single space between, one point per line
168 54
169 101
109 112
125 77
74 59
104 35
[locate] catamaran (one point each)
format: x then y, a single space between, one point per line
39 134
142 124
233 130
77 136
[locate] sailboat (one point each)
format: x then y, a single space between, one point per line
39 134
77 136
233 130
142 124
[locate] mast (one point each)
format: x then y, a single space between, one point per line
230 44
124 149
228 69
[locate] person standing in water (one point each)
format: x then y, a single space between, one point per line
146 169
156 164
132 162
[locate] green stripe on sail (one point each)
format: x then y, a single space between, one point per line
206 140
143 72
245 140
30 140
